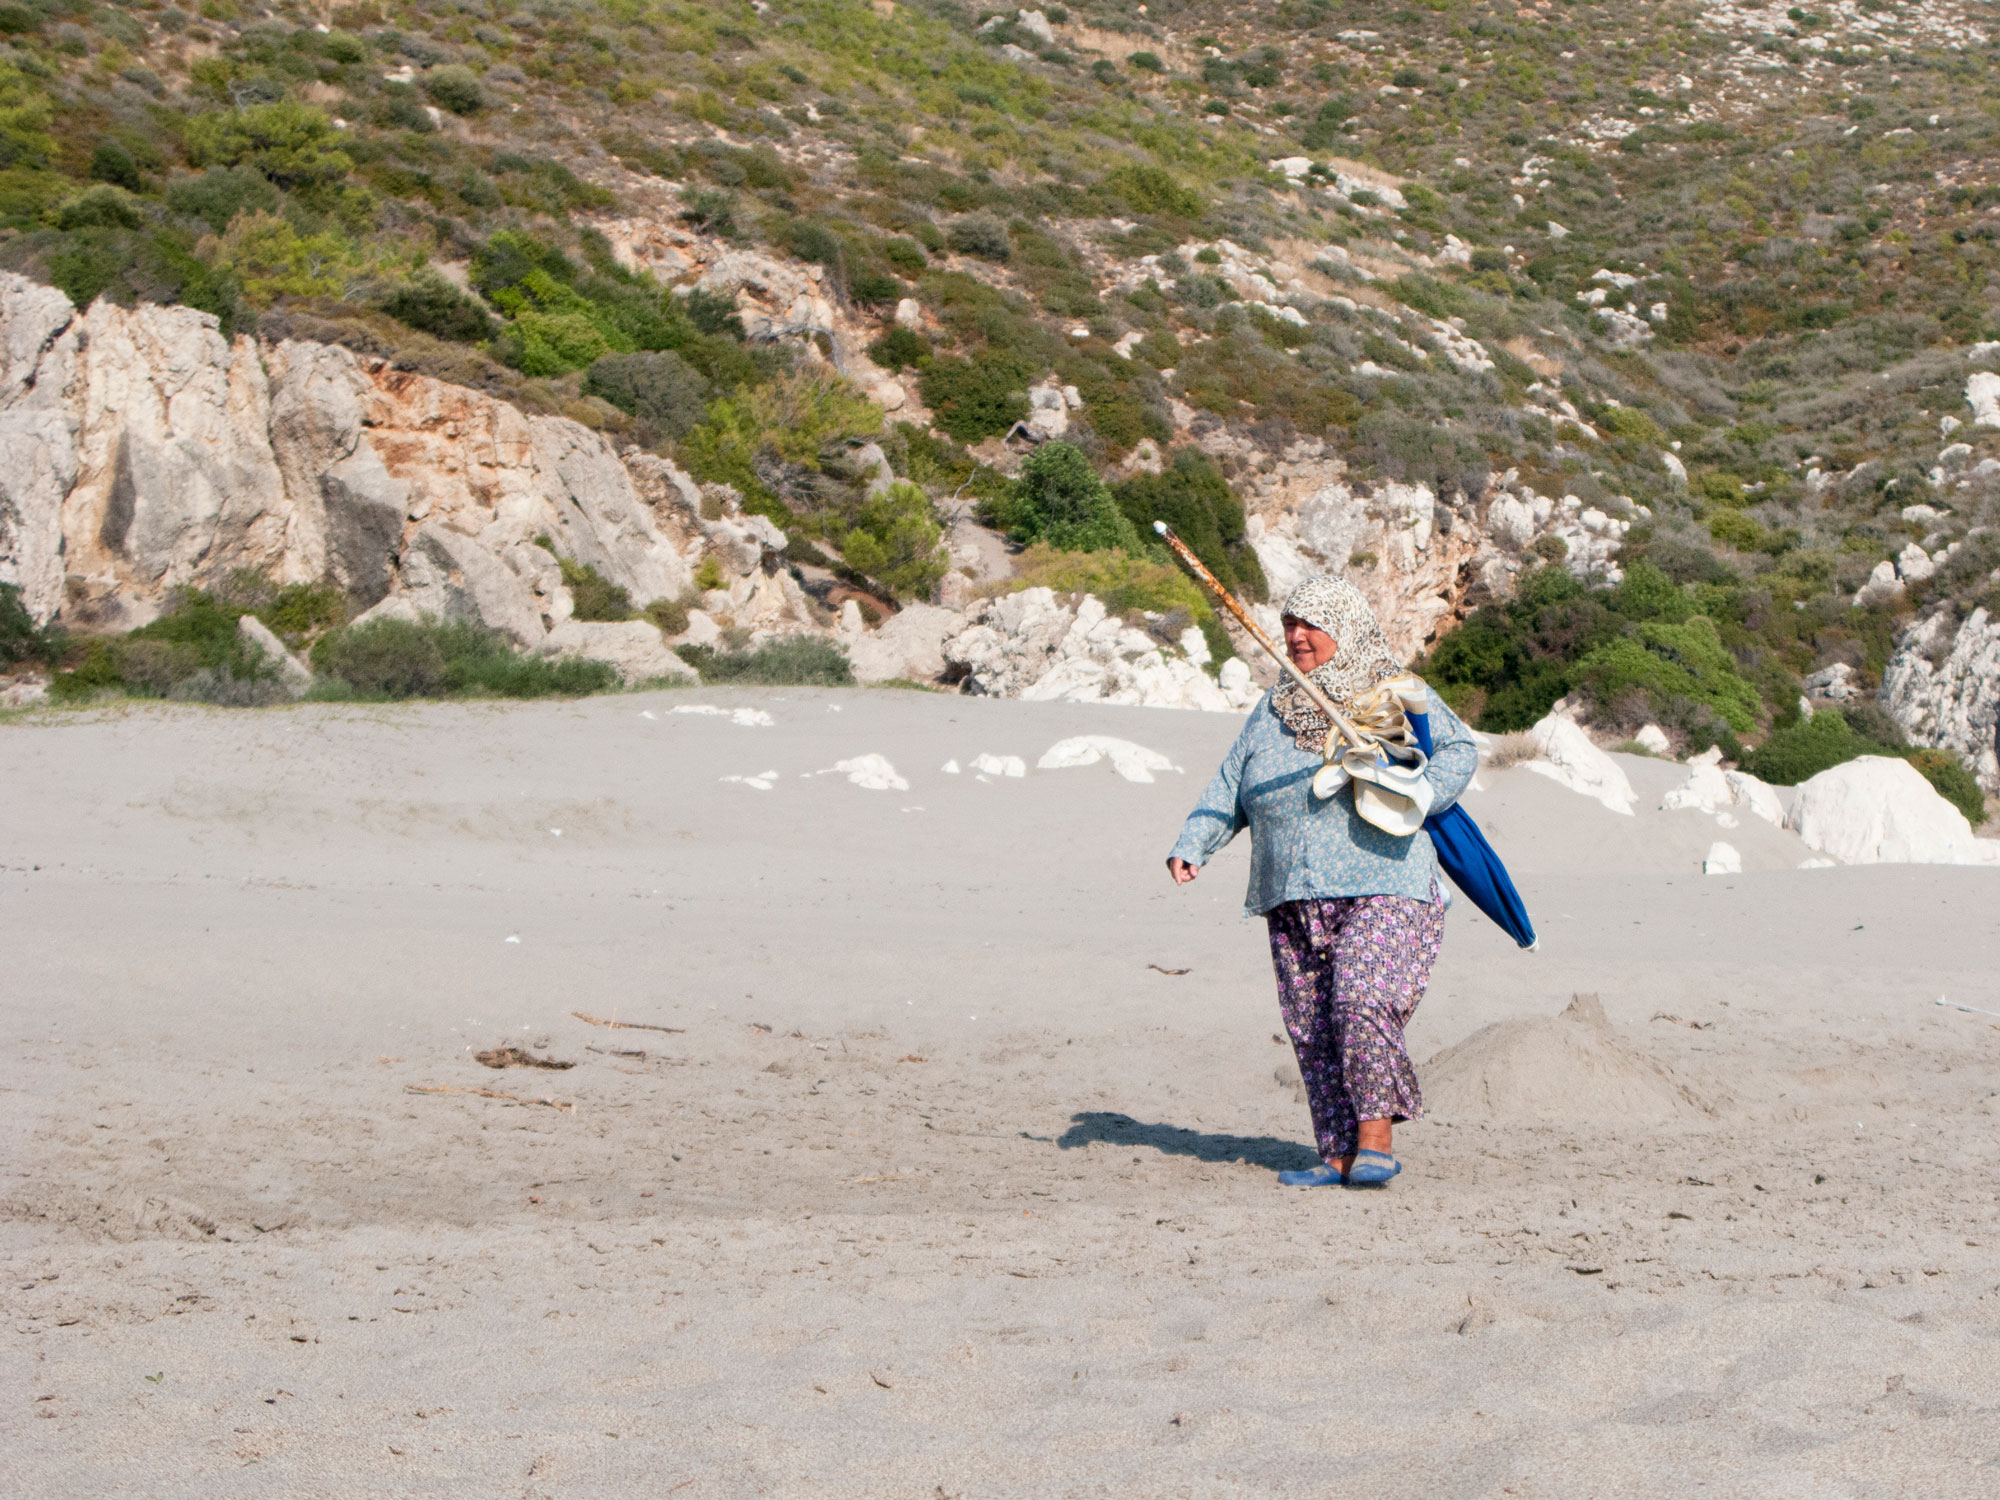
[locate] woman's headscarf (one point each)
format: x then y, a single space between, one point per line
1361 658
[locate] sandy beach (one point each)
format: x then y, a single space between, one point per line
940 1178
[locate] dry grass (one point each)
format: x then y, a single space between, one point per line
1506 750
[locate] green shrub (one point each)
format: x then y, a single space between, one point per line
1194 499
112 163
1735 528
1147 62
22 641
1666 662
221 193
872 290
899 348
1626 421
1124 582
343 47
814 243
592 595
391 659
981 235
1803 749
1441 299
292 144
1061 501
1947 773
1646 593
713 313
455 87
431 304
192 652
100 207
1147 189
897 541
713 209
301 610
906 255
794 661
793 418
662 390
977 398
669 614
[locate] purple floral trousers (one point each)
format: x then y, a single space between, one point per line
1350 973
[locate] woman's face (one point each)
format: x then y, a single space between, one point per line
1307 645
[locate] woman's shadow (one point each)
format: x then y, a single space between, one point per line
1172 1140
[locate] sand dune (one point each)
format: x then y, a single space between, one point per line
935 1184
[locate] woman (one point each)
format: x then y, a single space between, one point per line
1355 913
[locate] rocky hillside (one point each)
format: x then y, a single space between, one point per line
1642 355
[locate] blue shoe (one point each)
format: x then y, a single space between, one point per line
1372 1169
1321 1176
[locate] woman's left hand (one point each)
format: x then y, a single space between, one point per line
1181 870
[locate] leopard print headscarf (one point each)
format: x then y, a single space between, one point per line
1361 660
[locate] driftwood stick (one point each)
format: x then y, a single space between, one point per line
627 1025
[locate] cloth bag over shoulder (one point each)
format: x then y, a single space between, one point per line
1386 767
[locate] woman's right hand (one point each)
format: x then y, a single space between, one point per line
1181 870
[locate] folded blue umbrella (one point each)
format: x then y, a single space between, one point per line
1469 860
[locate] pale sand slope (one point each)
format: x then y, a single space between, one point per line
1047 1259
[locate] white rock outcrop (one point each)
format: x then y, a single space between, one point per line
140 452
1982 394
1880 810
293 674
1035 646
1722 859
1712 790
1943 687
908 646
1569 756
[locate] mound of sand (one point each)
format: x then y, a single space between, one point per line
1571 1069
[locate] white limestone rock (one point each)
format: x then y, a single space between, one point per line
1759 798
1880 810
1036 24
38 436
1982 394
908 646
1723 859
1569 757
294 675
702 629
1837 683
1131 761
634 647
1943 687
446 576
1705 790
1882 587
1654 739
1034 646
